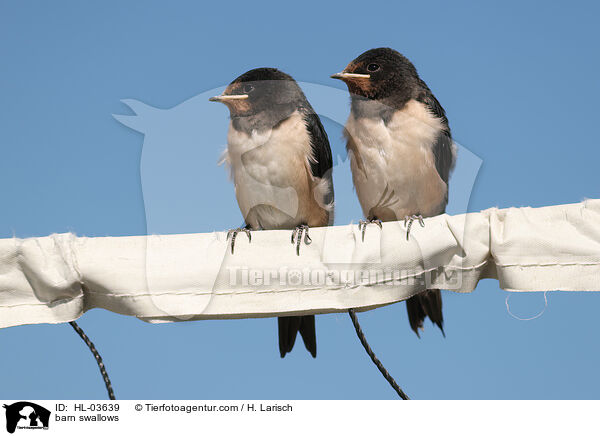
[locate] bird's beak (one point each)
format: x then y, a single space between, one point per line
224 98
344 76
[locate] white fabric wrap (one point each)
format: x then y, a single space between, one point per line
194 276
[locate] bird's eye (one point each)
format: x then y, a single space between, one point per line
372 67
248 88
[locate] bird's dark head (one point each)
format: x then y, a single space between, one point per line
261 90
380 74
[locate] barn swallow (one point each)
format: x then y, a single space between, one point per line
401 152
281 166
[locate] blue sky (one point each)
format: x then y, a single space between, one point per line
519 83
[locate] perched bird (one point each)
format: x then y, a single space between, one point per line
401 152
281 166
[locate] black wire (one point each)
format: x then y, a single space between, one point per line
359 333
90 344
374 358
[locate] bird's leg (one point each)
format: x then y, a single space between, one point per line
408 220
297 237
362 225
234 232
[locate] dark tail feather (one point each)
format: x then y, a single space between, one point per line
425 304
289 326
309 334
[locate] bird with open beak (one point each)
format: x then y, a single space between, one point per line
401 152
281 166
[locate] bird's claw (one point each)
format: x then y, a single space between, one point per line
233 234
297 237
362 226
408 220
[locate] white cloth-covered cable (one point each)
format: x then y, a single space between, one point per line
194 276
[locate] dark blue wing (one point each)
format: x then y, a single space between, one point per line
443 149
322 164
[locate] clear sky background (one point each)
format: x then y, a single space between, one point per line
518 80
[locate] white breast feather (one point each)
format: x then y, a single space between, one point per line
266 168
397 158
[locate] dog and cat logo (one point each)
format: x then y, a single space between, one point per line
26 415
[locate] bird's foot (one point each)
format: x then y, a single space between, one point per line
362 226
408 221
233 234
297 237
